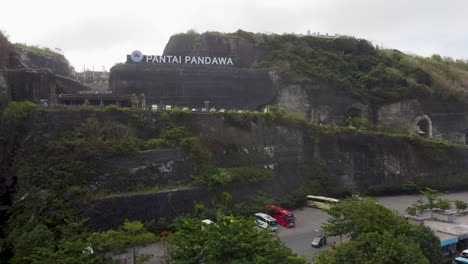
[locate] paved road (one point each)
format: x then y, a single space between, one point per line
308 221
308 226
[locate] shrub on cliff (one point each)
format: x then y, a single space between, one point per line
212 177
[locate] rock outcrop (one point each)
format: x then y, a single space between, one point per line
26 58
213 44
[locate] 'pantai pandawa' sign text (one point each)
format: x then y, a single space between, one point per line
137 57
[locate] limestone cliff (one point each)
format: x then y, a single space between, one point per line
32 73
213 44
40 58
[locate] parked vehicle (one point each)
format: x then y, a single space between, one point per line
464 253
460 260
206 222
282 216
319 241
320 202
265 221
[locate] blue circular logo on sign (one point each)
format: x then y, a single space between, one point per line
136 56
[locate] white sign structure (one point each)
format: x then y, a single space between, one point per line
137 56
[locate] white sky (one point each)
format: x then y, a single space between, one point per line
100 33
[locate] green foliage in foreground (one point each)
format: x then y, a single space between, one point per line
131 234
374 230
369 248
233 240
45 230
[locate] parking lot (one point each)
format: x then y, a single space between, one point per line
308 226
309 220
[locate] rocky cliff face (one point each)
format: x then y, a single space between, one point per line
300 156
338 162
38 84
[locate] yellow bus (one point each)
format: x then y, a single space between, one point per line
320 202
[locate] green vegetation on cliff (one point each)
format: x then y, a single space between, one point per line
44 51
365 71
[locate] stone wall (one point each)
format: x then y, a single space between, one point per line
38 84
111 212
31 84
318 102
192 85
4 91
448 121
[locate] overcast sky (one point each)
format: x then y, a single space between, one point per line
101 33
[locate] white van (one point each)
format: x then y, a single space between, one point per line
265 221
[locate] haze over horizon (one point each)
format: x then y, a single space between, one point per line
96 34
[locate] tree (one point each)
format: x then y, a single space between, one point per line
358 218
460 205
376 247
432 202
425 238
39 237
232 240
131 234
353 217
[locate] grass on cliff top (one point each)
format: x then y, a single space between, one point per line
366 72
40 50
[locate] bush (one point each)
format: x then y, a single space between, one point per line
460 205
14 118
